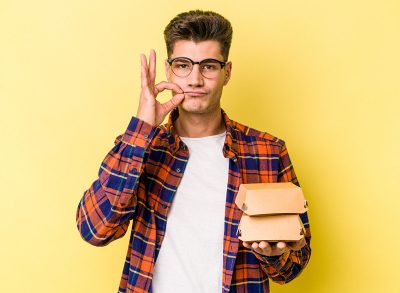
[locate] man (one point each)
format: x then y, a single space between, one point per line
177 182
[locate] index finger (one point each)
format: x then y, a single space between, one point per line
168 85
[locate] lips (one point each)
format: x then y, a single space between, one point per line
195 93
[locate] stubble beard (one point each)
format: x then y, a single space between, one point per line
199 105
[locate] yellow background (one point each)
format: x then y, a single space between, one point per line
322 75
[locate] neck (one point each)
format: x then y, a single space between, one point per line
199 125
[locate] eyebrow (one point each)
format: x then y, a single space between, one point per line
213 58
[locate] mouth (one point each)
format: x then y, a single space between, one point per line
195 94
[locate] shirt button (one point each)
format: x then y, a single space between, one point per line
146 135
178 170
164 206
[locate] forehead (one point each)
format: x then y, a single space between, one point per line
197 51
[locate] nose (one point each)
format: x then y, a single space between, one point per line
195 78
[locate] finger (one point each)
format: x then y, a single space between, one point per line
263 245
246 244
279 248
152 66
172 103
144 71
168 85
256 248
297 245
281 245
266 247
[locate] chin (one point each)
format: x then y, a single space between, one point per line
193 107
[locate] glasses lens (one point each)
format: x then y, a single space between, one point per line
210 68
181 67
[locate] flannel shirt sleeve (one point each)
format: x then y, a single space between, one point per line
105 209
284 268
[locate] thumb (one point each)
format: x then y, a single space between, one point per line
173 103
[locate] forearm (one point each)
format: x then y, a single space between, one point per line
104 211
284 268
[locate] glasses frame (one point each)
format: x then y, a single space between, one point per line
170 60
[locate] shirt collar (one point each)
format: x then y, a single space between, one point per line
230 148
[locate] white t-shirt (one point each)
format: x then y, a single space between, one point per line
190 258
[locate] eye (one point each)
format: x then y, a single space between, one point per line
181 64
210 66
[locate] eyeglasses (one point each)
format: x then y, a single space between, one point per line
183 66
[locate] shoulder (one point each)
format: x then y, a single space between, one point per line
248 134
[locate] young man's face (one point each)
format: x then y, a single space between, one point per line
202 95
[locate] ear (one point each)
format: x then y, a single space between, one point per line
228 71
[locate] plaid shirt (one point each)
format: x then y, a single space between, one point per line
137 181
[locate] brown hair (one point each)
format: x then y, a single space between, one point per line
197 26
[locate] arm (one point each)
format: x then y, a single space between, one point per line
105 209
285 267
